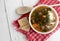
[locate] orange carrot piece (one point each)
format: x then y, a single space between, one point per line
35 25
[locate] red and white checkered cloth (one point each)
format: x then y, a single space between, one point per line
32 35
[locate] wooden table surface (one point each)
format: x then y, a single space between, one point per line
8 15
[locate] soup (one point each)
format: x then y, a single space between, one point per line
43 19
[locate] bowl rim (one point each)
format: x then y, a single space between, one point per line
50 30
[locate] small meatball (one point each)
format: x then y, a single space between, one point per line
44 16
40 13
33 21
42 27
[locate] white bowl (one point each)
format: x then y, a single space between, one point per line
39 31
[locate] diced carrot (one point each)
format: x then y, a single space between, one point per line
35 25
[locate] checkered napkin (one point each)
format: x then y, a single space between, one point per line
32 35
